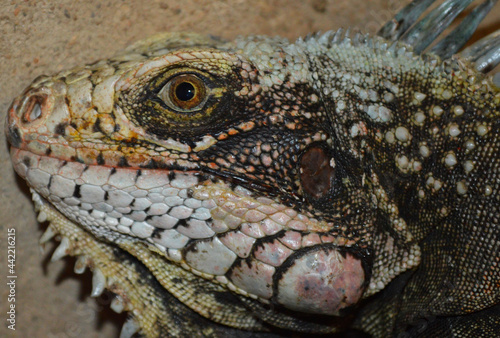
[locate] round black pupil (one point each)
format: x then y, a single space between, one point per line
185 91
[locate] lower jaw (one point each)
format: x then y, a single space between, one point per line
312 276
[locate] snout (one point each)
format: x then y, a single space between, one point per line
25 114
36 114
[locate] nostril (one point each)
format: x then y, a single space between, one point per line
32 108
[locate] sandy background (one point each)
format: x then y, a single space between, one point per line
42 37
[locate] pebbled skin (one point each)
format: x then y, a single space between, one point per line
407 148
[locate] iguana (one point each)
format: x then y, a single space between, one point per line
339 184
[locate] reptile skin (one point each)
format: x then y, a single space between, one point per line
339 184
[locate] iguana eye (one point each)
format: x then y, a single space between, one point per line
185 92
180 101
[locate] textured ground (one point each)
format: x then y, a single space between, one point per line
42 37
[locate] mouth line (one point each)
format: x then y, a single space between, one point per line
203 173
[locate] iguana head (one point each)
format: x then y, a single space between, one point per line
221 157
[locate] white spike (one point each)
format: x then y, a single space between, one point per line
61 250
393 47
37 200
98 283
347 37
338 36
42 217
80 265
357 39
47 235
117 304
129 328
325 38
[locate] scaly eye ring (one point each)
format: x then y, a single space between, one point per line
184 92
